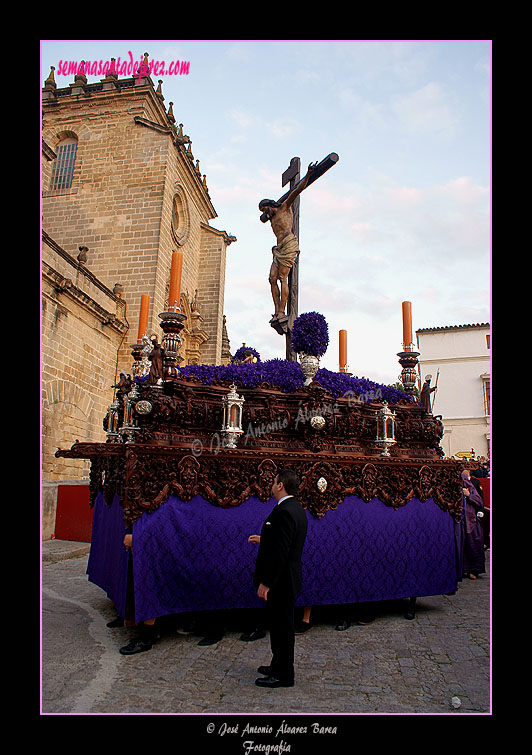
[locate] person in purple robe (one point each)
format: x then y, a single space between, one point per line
474 560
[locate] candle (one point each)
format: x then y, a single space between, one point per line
407 325
143 317
343 350
175 281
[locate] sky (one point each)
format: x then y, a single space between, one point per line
405 214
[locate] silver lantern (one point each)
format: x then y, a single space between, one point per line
232 417
130 427
113 435
385 428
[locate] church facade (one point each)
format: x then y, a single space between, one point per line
121 190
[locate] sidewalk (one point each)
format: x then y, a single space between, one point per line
59 550
392 665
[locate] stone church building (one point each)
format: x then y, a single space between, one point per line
121 190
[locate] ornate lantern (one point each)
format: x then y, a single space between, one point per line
385 428
232 418
113 435
130 427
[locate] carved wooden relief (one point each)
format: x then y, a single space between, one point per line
178 449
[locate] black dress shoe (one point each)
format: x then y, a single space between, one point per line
342 626
210 639
149 634
256 634
138 645
272 682
265 670
364 620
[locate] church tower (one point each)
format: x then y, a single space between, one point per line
121 190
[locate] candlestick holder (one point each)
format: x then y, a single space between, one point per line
139 352
408 361
172 323
136 353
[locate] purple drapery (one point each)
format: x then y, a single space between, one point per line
108 558
195 556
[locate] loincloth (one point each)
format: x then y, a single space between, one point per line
286 252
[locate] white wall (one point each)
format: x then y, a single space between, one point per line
462 356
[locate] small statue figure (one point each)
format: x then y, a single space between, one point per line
426 390
124 384
156 358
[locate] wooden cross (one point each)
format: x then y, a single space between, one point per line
292 174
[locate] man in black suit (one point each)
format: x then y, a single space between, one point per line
278 576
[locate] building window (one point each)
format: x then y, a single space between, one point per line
486 389
488 340
63 168
180 220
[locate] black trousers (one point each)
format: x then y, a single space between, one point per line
280 606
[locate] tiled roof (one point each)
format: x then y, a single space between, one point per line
453 327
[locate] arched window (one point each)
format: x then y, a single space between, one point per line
63 168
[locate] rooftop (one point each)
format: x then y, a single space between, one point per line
453 327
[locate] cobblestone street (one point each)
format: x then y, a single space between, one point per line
392 665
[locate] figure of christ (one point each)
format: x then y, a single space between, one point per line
286 251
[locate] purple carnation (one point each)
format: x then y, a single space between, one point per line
288 377
310 334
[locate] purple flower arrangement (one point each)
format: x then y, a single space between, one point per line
310 334
240 354
287 376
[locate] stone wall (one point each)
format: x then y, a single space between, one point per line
137 194
83 325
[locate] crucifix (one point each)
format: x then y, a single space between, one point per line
284 217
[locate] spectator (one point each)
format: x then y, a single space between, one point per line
474 560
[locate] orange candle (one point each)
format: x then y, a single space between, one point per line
407 325
343 350
143 317
175 281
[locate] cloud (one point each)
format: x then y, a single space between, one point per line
464 191
243 118
427 109
411 222
283 128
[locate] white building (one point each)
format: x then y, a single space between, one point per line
461 354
